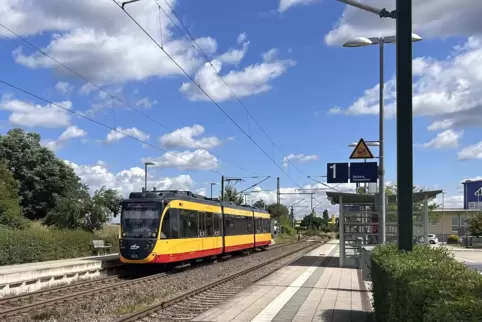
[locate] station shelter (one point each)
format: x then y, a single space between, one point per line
358 221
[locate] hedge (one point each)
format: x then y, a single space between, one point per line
453 239
37 244
426 284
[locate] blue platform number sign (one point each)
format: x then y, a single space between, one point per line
363 172
337 172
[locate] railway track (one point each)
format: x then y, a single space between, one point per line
21 304
190 304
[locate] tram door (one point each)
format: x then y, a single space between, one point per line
202 230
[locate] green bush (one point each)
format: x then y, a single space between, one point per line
453 239
423 285
37 244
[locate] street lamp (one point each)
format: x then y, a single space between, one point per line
145 173
212 184
403 16
380 41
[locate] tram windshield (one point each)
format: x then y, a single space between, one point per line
140 220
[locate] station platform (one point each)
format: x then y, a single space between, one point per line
30 277
313 288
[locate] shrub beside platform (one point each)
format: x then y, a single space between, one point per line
427 284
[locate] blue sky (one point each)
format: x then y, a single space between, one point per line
283 60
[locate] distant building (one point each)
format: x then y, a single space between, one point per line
451 220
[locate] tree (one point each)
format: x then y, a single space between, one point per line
260 204
277 211
434 217
326 217
232 195
10 210
475 225
81 211
313 222
43 178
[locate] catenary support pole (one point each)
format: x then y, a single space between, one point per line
404 124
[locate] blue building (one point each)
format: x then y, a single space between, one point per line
472 194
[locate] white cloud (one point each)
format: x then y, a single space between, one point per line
252 80
186 138
127 180
199 159
436 18
471 152
445 139
64 88
146 103
455 201
242 38
286 4
113 136
447 91
72 132
299 157
100 41
234 56
476 178
34 115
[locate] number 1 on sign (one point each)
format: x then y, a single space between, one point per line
333 167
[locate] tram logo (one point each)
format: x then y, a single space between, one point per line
134 247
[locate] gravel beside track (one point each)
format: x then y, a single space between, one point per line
111 304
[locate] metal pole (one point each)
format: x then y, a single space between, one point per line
425 220
311 203
211 191
404 125
382 219
145 176
278 197
222 188
443 213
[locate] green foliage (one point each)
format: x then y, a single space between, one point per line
475 225
277 211
453 239
43 178
285 224
326 216
232 195
37 244
313 222
412 286
10 210
260 204
80 211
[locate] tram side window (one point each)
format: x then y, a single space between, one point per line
209 224
267 228
249 224
229 221
170 224
258 225
189 223
218 224
166 227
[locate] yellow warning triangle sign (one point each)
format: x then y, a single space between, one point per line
361 151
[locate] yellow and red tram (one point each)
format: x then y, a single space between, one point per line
176 226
